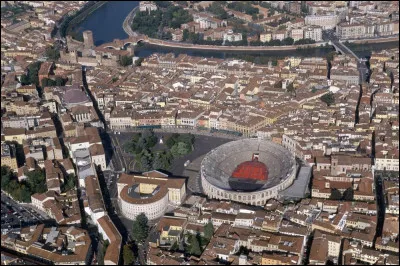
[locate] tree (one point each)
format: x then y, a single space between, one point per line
291 89
52 53
330 56
195 248
185 34
304 41
187 138
150 137
163 4
25 194
25 80
145 162
287 41
175 246
60 81
36 180
335 194
6 176
208 230
125 61
140 228
46 82
33 70
328 98
172 140
180 148
162 160
217 9
348 194
139 61
69 183
128 254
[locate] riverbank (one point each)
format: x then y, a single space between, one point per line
128 22
377 40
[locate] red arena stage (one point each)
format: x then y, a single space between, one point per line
251 170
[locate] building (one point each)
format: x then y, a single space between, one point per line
250 171
19 26
88 39
297 34
149 193
325 21
57 245
15 134
355 30
8 156
265 37
324 246
232 37
147 6
46 69
313 33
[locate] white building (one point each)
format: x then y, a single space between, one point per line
313 33
325 21
297 34
147 6
232 37
388 163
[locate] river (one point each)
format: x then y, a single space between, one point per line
106 25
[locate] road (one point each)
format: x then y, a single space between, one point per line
128 22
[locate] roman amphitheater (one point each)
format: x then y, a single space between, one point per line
249 171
